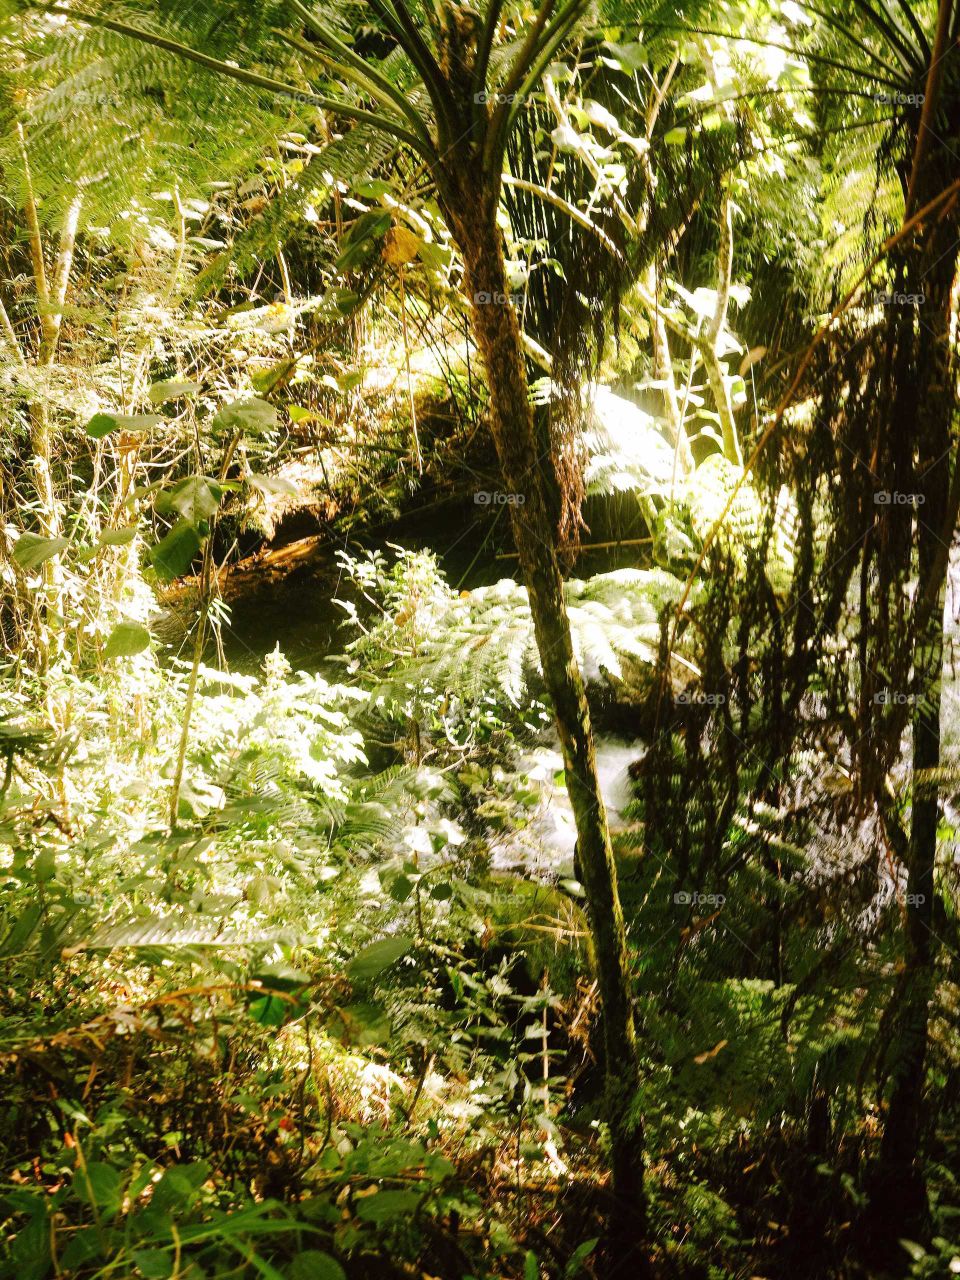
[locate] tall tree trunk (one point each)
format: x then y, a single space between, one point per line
498 338
898 1196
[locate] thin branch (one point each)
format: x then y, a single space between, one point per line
572 212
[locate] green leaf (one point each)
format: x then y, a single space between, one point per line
360 1023
442 892
31 551
126 639
179 1186
153 1264
118 537
626 57
271 1010
195 498
85 1245
23 929
436 256
314 1264
368 228
252 416
44 866
401 888
101 424
531 1268
266 380
387 1204
578 1258
372 960
173 555
171 389
675 137
99 1185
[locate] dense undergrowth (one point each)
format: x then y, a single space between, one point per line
309 1032
587 905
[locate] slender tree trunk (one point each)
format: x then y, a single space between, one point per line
50 302
899 1205
498 337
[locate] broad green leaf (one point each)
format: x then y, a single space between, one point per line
386 1205
99 1185
31 551
372 960
84 1245
180 1185
21 932
171 389
436 256
29 1255
195 498
368 228
265 380
118 537
314 1264
626 57
101 424
360 1023
299 414
271 1010
252 416
126 639
153 1264
173 555
400 888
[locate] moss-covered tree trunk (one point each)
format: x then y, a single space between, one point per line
498 338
